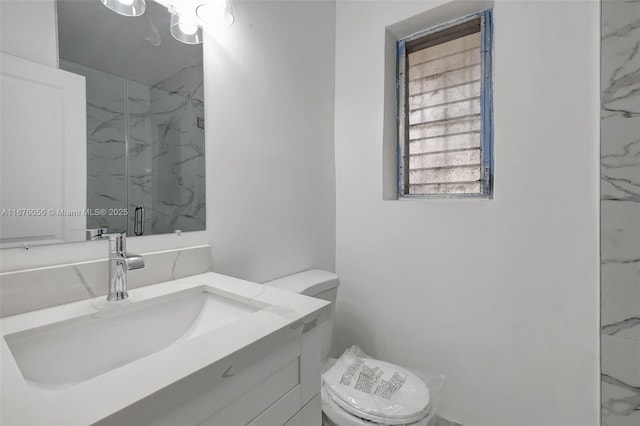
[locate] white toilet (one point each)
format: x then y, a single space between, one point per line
337 410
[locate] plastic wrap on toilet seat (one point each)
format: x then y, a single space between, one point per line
333 415
380 392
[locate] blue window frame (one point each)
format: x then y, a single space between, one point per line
445 110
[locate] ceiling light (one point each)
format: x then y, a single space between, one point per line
216 12
126 7
183 29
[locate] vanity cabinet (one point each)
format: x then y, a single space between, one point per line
274 381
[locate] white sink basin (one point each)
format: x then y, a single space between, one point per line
75 350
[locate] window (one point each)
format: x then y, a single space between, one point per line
445 110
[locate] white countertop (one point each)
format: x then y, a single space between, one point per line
94 399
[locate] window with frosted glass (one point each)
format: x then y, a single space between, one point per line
445 111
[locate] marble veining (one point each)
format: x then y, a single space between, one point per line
622 406
175 262
620 381
82 280
620 212
620 77
179 201
612 329
620 160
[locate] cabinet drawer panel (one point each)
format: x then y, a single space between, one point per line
249 405
312 412
280 411
295 420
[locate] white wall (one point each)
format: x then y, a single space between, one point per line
500 295
270 166
28 29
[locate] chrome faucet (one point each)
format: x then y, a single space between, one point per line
119 263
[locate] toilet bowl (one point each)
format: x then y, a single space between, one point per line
342 406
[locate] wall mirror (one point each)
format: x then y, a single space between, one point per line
144 146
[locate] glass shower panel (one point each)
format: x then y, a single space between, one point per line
106 147
140 158
177 118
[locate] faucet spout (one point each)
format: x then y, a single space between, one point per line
134 261
120 261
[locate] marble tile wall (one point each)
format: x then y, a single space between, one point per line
165 162
31 289
620 212
178 152
140 153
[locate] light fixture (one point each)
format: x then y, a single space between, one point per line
216 12
184 29
126 7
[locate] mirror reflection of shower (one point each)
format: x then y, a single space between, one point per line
145 117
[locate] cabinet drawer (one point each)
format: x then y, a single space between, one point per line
280 411
251 404
309 415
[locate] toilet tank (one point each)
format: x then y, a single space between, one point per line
314 283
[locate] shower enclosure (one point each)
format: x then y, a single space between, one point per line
145 152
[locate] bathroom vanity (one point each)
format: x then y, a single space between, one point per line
207 349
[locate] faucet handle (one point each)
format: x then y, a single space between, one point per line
117 241
115 235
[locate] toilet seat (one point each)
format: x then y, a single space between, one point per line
346 407
339 417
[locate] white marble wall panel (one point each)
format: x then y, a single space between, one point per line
28 290
620 381
620 212
620 241
620 299
140 152
187 82
619 70
620 159
179 161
